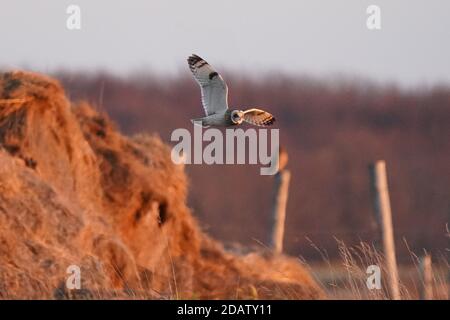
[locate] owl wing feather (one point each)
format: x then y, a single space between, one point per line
258 117
214 90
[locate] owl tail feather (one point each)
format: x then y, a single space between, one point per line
199 122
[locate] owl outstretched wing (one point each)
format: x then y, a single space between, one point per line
214 90
258 117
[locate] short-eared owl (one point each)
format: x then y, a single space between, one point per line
214 98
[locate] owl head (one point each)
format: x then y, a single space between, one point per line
237 116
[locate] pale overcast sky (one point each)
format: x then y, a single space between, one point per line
314 37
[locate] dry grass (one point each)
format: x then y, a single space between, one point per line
346 278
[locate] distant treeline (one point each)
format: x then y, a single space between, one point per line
332 130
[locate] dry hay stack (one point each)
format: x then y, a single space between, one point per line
73 190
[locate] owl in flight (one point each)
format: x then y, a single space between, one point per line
215 102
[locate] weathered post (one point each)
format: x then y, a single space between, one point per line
426 290
281 191
384 217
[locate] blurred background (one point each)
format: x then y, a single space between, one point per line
344 96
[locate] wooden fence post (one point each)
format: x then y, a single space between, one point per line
281 190
384 216
426 292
